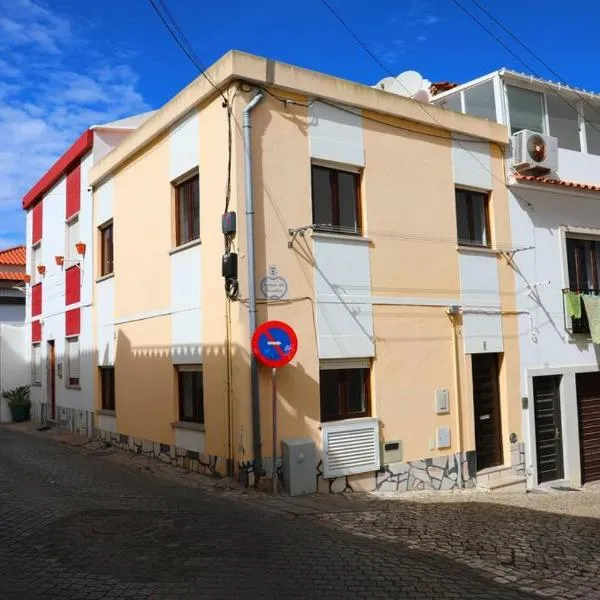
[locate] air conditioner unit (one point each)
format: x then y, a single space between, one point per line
534 152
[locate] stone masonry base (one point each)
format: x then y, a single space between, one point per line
74 420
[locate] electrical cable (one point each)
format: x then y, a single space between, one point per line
523 62
536 56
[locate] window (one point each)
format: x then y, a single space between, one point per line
72 362
336 202
187 209
526 110
472 220
36 259
564 122
191 394
591 114
106 250
72 238
480 102
107 387
345 394
451 102
36 364
583 262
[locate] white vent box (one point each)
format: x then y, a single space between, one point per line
442 402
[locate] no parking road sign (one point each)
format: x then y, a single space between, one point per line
274 343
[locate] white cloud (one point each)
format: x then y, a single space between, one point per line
45 103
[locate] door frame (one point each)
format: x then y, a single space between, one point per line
561 457
569 421
51 377
498 400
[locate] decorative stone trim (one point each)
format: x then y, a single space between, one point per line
74 420
439 474
180 457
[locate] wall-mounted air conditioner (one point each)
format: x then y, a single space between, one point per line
534 153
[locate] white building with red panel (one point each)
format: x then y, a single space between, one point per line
60 232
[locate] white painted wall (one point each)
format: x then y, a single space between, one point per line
105 289
335 135
105 317
87 232
104 198
105 140
539 225
186 298
344 303
472 164
14 363
184 146
190 439
12 313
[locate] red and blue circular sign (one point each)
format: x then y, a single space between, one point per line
274 343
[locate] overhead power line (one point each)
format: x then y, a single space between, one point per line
523 62
164 14
535 55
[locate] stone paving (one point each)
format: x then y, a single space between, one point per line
90 522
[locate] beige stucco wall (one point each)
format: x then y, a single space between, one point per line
408 192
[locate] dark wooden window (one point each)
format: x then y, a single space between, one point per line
472 218
191 395
336 200
583 261
106 250
345 394
107 384
187 209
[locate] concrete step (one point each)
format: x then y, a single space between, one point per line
508 483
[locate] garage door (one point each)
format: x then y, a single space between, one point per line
588 400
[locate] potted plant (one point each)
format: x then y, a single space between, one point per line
19 402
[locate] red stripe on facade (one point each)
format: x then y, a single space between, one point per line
38 218
73 191
72 322
36 300
72 285
36 331
58 169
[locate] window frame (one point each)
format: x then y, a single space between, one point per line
177 187
72 382
198 415
472 243
342 384
582 326
71 255
336 227
36 253
110 402
107 265
34 346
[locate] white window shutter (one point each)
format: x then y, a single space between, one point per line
36 370
73 346
72 239
350 447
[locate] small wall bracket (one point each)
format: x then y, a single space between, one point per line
298 231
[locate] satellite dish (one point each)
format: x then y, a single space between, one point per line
421 96
385 83
410 82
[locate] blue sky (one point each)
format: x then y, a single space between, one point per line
67 64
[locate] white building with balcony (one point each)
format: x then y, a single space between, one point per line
554 195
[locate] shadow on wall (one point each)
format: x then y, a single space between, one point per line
147 405
14 363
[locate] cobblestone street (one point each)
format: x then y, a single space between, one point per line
76 524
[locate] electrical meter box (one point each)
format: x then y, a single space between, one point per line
299 466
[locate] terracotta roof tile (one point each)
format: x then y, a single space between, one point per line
12 276
569 184
13 256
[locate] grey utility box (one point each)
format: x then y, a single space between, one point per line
299 466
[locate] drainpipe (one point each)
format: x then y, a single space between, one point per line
247 126
453 313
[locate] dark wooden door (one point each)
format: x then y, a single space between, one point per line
486 398
548 430
52 378
588 401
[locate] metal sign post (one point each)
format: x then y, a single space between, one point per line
275 344
274 390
